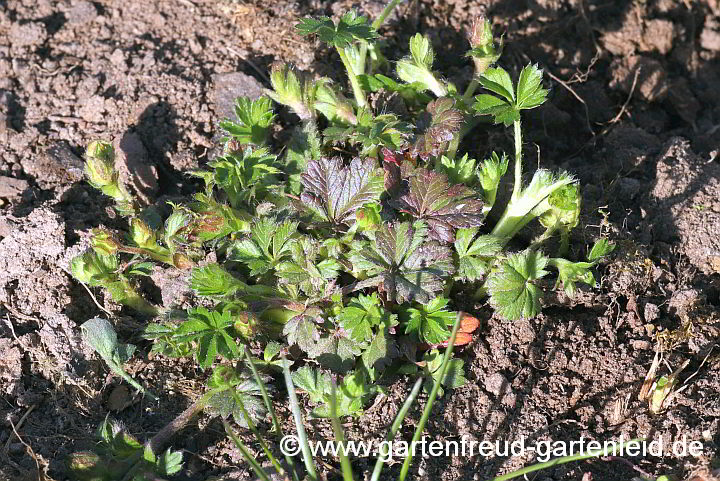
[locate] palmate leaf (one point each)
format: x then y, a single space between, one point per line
362 314
337 351
302 331
268 245
350 28
475 257
334 192
444 207
380 353
437 127
313 381
430 323
306 270
254 118
371 132
506 108
512 292
237 390
209 329
404 265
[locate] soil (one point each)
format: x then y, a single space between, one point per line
634 113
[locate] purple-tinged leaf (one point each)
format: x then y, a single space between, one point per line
444 207
437 126
335 192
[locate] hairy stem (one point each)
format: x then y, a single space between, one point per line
376 25
518 160
357 89
470 90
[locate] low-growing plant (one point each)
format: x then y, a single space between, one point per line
358 244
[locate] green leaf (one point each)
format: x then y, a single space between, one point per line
304 146
372 132
302 331
267 246
498 81
402 261
214 281
306 271
209 329
458 170
350 28
244 175
490 173
430 323
444 207
454 377
235 391
351 395
600 249
334 192
337 351
570 273
254 118
380 353
362 314
530 93
475 257
513 294
313 381
169 463
416 69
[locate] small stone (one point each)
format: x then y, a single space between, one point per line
119 398
27 34
652 312
81 12
11 187
497 384
58 166
134 165
228 87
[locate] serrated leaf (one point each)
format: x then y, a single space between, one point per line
475 257
253 121
350 396
454 377
458 170
405 266
600 249
337 351
430 323
497 80
490 173
212 280
244 175
306 271
437 127
313 381
444 207
267 246
334 192
570 273
209 329
530 93
304 146
236 391
416 68
350 28
302 331
372 132
362 314
169 463
513 294
380 353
